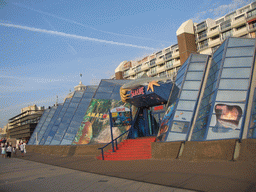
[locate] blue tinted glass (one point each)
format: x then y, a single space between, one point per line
236 73
240 42
240 51
192 85
238 62
102 95
194 76
234 96
234 84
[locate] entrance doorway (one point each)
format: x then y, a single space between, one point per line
146 123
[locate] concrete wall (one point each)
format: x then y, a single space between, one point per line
165 150
209 150
247 150
67 150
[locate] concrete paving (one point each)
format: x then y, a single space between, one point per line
139 175
22 175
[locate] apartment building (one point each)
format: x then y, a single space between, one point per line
204 38
22 125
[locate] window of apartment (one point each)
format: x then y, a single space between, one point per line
168 55
215 37
241 27
225 24
251 13
167 50
219 21
240 16
214 28
252 25
230 15
227 34
169 64
203 44
159 53
153 62
174 47
202 34
201 25
153 70
162 74
244 9
253 5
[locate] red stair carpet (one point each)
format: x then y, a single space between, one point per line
131 149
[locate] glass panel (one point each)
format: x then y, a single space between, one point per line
183 115
236 96
186 105
240 42
238 62
189 95
234 84
78 94
212 134
194 76
191 84
102 95
180 127
198 58
240 51
236 73
196 67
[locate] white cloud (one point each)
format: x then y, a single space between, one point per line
74 36
80 24
218 10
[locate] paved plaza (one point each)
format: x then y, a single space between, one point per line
20 175
38 172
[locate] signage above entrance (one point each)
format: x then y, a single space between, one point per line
136 92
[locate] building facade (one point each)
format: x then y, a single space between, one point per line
203 38
22 125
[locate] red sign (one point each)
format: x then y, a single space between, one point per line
135 92
160 107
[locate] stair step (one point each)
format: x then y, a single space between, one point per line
130 149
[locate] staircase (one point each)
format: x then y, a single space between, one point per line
131 149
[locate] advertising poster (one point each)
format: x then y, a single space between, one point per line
228 118
95 127
121 116
165 122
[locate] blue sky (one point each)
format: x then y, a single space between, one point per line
45 44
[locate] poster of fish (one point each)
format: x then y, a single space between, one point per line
95 127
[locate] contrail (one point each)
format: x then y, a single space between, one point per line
77 23
74 36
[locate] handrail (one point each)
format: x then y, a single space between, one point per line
114 140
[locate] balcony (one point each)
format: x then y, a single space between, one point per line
213 32
203 46
252 27
176 54
160 69
240 32
202 37
160 61
238 22
213 43
176 63
251 15
144 67
201 28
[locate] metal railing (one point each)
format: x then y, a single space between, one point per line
114 141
